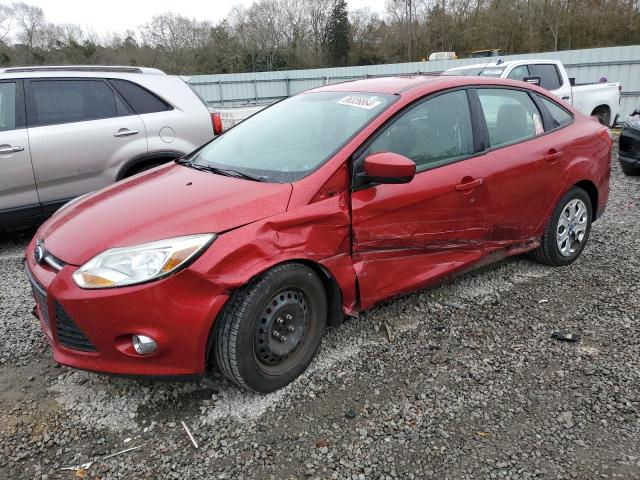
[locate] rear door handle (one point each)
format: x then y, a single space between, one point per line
466 186
553 156
6 149
125 132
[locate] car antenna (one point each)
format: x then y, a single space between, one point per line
483 69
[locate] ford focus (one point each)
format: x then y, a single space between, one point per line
239 255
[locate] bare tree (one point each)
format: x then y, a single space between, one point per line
174 35
30 24
6 21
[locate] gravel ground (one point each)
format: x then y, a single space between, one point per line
455 382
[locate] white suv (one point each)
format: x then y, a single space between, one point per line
66 131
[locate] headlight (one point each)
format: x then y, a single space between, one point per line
122 266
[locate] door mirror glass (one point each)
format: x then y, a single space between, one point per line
387 167
532 80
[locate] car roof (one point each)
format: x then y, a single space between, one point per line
75 70
401 84
502 64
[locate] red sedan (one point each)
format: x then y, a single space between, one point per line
239 255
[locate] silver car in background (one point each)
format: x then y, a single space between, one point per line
66 131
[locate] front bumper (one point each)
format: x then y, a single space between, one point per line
92 329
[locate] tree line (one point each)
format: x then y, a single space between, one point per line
291 34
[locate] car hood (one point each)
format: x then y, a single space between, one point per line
170 201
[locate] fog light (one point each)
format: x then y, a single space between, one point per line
143 345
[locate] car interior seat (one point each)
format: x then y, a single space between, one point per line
512 124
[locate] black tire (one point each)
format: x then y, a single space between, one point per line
253 356
548 252
630 171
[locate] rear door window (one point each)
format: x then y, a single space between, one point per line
64 101
558 114
511 115
140 99
548 73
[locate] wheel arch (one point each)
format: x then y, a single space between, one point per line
591 189
160 156
335 314
602 108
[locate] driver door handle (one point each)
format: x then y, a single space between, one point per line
6 149
469 184
125 132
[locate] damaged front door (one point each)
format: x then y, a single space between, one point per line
409 235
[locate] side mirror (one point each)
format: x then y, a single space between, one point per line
532 80
387 167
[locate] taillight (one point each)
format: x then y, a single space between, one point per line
216 121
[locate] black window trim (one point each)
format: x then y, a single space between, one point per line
20 109
359 180
549 117
30 101
167 104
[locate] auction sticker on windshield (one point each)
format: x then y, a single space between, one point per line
361 102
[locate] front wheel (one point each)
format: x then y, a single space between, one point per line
567 231
270 330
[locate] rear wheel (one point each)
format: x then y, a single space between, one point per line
567 231
602 114
271 329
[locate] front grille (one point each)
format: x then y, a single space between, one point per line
40 295
69 334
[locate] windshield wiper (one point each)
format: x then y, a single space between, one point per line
220 171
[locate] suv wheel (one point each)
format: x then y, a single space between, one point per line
567 231
270 329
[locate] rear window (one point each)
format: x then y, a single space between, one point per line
548 73
559 115
140 99
65 101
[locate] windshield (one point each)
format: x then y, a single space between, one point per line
290 139
477 71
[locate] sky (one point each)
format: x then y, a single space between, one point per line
103 17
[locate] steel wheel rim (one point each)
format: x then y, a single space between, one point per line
572 227
281 329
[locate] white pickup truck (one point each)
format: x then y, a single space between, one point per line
601 100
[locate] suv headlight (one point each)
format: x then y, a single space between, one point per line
122 266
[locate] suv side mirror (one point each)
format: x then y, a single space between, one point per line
532 80
387 167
